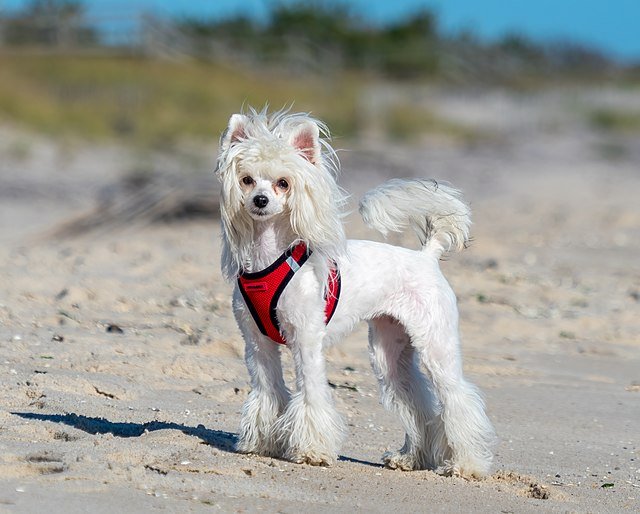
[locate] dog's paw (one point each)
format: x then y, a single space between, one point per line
399 460
266 447
246 447
250 446
468 470
313 458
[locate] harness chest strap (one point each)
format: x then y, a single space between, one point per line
261 290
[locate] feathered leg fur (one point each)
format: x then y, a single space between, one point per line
269 395
310 430
405 391
469 433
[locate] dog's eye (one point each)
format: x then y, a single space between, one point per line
282 184
247 181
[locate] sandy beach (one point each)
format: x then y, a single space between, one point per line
122 369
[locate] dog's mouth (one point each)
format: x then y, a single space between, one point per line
260 214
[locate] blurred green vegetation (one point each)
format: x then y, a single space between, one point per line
328 35
405 122
613 120
154 102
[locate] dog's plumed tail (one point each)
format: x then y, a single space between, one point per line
435 211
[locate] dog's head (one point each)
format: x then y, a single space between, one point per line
277 168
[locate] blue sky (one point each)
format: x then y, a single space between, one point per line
611 25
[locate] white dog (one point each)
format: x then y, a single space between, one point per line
301 283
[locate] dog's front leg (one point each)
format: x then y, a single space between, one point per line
267 399
310 430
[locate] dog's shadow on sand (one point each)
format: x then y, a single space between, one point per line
219 439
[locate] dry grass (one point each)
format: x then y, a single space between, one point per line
408 122
151 102
612 120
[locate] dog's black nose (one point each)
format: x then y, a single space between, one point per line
260 201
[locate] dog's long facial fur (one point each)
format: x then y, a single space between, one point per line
279 187
280 159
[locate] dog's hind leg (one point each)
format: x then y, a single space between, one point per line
405 390
469 433
267 399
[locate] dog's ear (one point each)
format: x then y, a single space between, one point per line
305 138
235 131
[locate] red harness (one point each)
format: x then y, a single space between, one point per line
261 290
